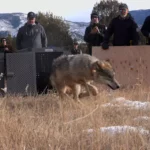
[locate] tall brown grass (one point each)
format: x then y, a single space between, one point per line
47 123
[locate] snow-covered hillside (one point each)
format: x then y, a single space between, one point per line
10 23
77 29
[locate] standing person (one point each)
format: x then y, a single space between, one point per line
32 34
5 47
123 28
146 29
76 49
94 33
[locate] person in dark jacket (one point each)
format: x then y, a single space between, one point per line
5 46
123 28
94 33
32 34
76 49
146 29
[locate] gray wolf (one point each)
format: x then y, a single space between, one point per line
74 71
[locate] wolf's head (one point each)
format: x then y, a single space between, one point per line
104 73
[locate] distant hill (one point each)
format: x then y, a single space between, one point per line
140 15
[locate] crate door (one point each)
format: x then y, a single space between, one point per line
21 73
44 62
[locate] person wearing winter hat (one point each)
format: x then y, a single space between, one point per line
123 9
123 28
94 33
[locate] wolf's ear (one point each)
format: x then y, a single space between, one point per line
101 64
104 65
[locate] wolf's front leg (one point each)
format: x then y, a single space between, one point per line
93 89
90 89
76 91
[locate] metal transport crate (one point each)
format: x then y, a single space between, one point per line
28 72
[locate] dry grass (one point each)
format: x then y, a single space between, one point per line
47 123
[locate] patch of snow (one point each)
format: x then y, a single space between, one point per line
121 101
112 130
142 118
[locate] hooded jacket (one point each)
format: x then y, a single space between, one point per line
146 29
31 36
124 30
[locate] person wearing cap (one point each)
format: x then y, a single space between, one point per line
76 49
32 34
94 33
146 29
123 28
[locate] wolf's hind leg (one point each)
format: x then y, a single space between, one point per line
61 89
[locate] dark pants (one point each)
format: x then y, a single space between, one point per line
148 41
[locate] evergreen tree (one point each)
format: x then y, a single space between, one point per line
57 30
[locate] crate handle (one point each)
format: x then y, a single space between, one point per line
10 74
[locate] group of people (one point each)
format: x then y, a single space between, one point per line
123 28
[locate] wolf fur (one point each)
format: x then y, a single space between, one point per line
74 71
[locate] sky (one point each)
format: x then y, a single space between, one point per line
73 10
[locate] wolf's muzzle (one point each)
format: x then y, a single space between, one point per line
114 85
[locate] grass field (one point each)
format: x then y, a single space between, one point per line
105 122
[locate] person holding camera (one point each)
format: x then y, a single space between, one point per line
5 46
123 28
94 33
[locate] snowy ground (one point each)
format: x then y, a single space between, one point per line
121 101
112 130
129 104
